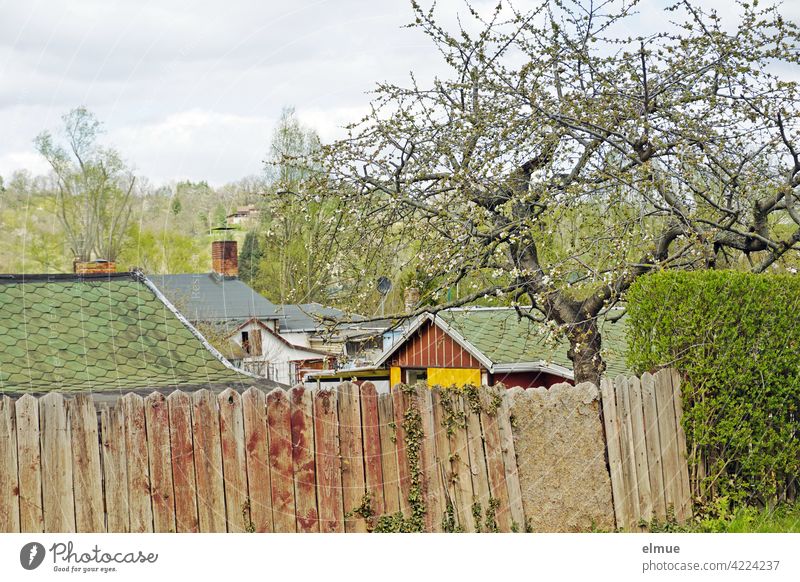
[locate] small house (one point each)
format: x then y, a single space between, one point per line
474 345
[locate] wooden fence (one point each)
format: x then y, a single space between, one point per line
305 461
646 448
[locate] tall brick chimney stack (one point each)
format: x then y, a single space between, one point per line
225 258
411 298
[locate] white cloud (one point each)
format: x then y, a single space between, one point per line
226 146
191 88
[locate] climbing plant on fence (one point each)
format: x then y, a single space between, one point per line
735 337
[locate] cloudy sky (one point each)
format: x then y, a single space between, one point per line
192 89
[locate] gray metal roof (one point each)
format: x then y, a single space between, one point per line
308 317
211 297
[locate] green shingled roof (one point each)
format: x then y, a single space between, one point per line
97 333
505 338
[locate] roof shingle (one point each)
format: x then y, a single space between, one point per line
98 333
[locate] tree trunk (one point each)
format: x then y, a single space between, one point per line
584 351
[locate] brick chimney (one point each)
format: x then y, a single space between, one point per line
225 258
96 267
411 298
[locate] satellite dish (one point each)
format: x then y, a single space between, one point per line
384 285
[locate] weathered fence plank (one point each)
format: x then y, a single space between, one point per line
684 509
490 404
87 477
183 473
391 478
628 453
645 498
254 404
655 473
234 463
305 475
401 404
57 486
352 451
280 458
455 416
329 468
139 503
29 459
442 472
477 462
518 522
208 463
370 426
9 477
431 483
115 469
162 491
614 449
668 439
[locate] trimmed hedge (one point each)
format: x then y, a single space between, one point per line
735 338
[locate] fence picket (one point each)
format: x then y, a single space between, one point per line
655 473
668 440
645 498
329 468
139 503
614 448
88 488
305 474
115 469
9 477
234 464
352 451
459 460
490 400
510 464
430 480
162 491
29 459
684 510
391 478
401 403
280 459
477 463
370 426
208 463
442 472
57 486
254 405
628 454
183 472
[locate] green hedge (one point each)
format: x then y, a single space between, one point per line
735 338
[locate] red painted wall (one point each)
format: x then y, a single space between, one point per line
430 347
527 379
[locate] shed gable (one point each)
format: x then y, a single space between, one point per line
430 347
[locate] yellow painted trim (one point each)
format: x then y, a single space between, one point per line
454 376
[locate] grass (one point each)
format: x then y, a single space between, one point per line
781 519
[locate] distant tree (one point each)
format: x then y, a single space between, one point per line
220 217
93 187
673 150
176 207
250 258
293 241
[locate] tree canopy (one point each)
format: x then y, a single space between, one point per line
562 156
